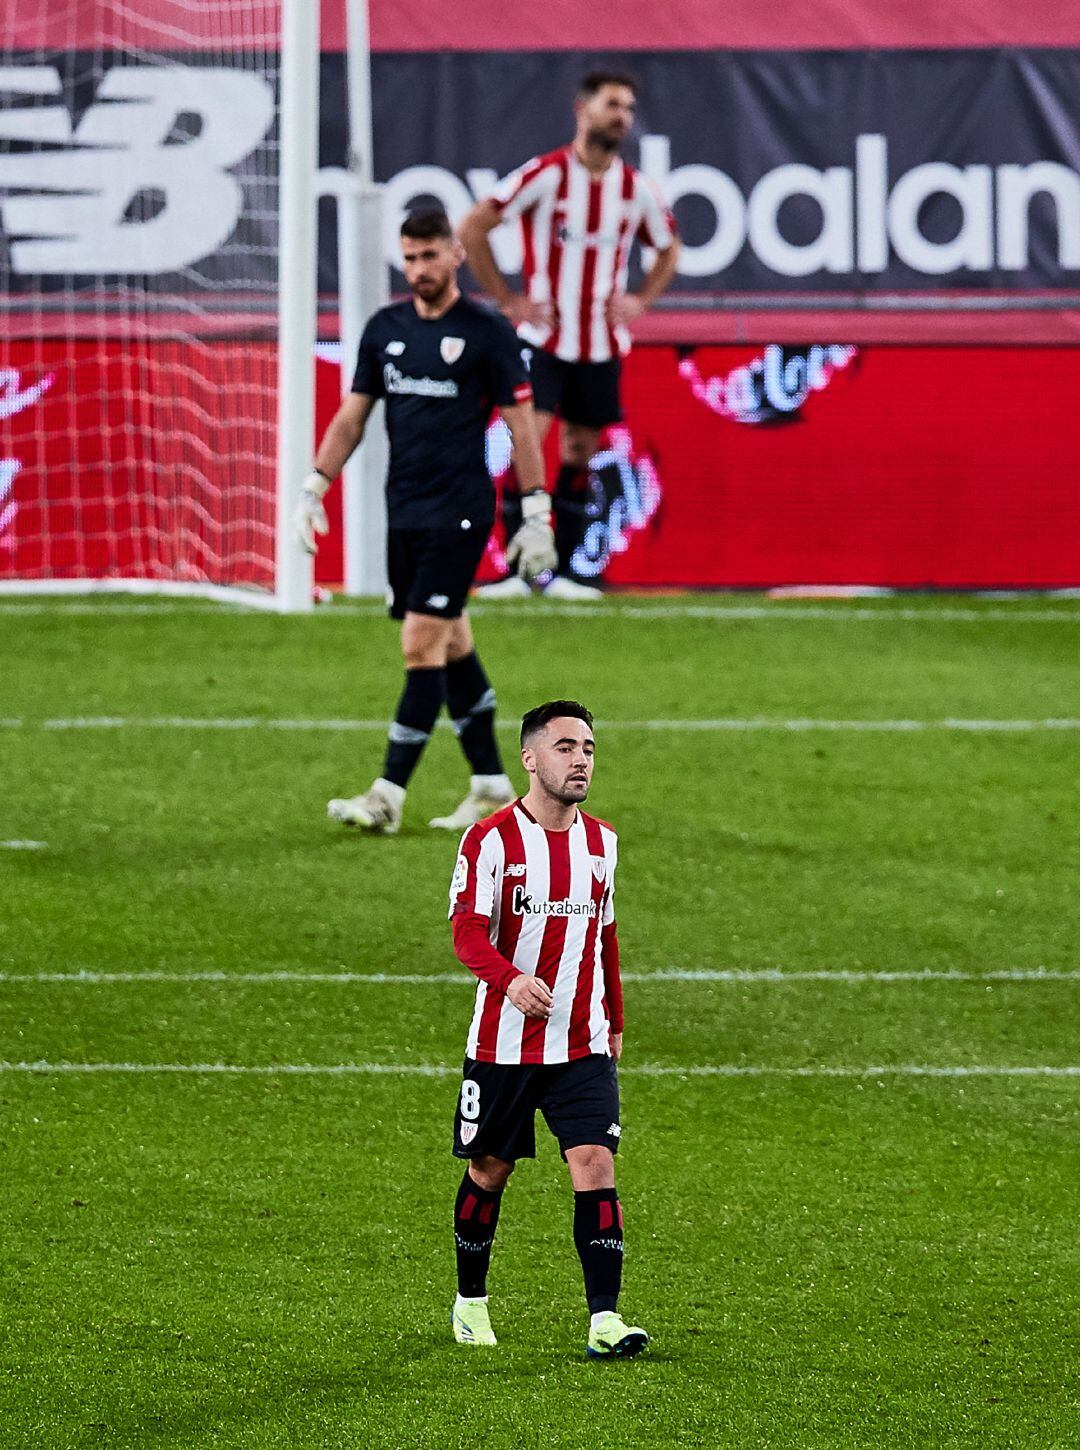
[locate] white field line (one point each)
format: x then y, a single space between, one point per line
769 976
24 845
884 612
735 725
423 1069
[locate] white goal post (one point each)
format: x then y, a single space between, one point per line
158 274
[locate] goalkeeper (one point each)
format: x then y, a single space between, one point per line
440 362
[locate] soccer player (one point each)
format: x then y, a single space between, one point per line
441 362
531 904
580 210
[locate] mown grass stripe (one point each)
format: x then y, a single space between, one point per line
426 1069
798 726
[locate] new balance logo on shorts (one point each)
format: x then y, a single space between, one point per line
614 1131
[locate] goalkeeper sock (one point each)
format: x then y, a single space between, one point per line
418 709
571 514
476 1214
598 1237
471 703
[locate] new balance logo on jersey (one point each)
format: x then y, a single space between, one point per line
522 904
567 233
515 868
397 382
395 348
140 181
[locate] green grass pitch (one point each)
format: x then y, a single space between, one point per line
829 1249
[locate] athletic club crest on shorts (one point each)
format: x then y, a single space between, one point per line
451 348
599 867
468 1133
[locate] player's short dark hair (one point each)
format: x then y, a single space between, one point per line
595 80
425 223
535 720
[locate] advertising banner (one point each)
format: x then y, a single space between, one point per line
818 171
737 467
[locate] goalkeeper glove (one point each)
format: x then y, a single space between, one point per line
533 546
310 517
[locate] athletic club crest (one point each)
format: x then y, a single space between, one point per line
468 1133
451 348
599 867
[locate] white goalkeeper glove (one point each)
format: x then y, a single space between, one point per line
310 517
532 548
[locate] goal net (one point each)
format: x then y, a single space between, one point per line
140 194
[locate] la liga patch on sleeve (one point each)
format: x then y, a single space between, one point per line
461 875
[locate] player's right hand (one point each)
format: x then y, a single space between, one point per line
530 995
310 517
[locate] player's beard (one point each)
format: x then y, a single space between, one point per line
431 292
566 791
604 140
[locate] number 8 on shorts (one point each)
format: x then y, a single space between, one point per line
470 1100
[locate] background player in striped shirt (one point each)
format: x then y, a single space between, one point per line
531 904
580 209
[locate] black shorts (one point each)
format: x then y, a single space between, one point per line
585 393
497 1105
432 570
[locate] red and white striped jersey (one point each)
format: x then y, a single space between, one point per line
577 231
544 900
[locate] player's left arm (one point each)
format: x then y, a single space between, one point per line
520 418
609 961
627 307
532 548
657 230
609 957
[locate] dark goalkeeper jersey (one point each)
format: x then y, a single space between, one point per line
440 379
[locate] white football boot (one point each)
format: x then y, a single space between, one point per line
487 794
378 811
512 587
570 590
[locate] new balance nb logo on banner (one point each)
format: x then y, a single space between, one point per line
140 181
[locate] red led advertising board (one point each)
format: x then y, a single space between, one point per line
737 467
